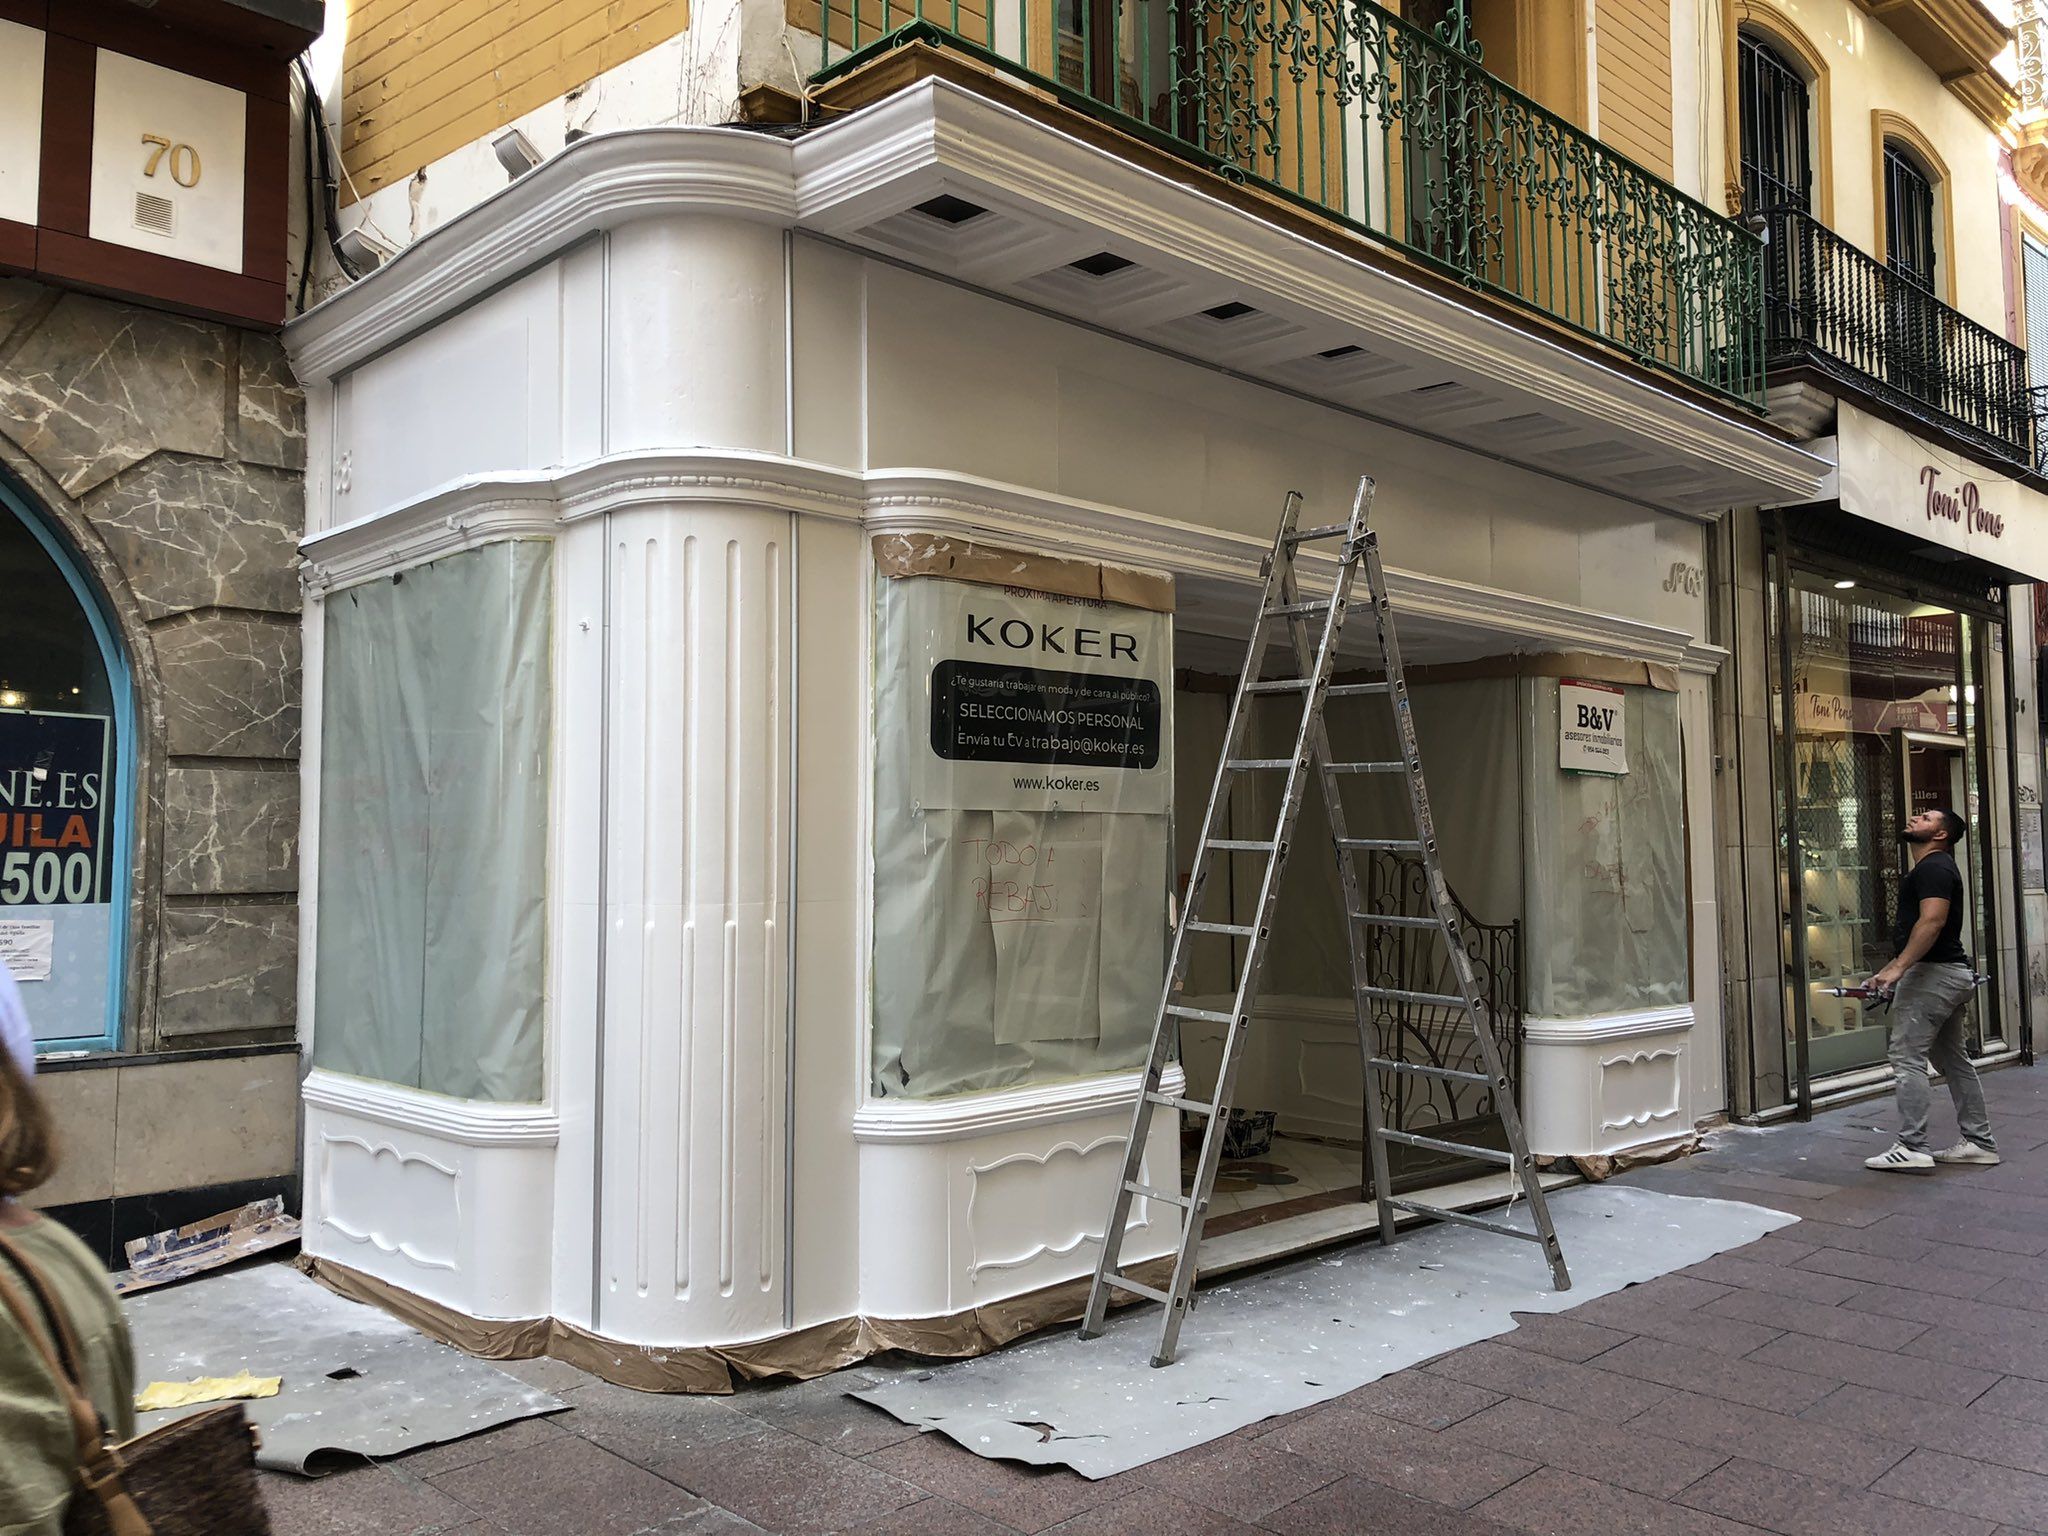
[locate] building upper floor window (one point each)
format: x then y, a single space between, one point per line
2034 275
1908 215
2034 279
1777 152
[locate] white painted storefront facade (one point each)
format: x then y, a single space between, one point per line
710 366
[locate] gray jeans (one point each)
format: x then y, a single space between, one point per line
1928 1027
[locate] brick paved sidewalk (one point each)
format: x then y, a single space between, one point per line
1880 1368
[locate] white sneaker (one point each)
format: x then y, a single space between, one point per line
1899 1158
1967 1151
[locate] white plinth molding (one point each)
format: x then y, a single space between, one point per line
1607 1082
452 1199
967 1115
465 1122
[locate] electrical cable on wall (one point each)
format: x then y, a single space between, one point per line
316 121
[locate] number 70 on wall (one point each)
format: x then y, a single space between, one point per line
181 160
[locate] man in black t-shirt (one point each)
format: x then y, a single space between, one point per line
1931 978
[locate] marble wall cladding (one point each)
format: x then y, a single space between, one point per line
197 533
228 970
171 451
99 386
82 1105
230 687
270 412
230 830
18 296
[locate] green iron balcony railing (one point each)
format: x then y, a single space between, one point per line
1396 131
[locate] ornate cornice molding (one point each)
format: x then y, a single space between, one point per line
2030 149
538 505
597 183
1017 160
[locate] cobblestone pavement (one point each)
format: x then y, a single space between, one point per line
1880 1368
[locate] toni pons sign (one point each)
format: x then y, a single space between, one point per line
1889 476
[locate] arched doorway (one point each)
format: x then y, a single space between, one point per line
67 751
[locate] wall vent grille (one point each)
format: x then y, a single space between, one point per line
156 214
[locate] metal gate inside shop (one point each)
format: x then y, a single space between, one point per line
1415 960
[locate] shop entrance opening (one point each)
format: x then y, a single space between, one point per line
1296 1153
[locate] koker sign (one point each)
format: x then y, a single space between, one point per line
1040 702
1889 476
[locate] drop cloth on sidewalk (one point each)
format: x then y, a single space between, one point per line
1302 1334
354 1379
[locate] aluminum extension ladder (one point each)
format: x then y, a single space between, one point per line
1315 659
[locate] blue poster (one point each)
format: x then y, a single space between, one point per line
54 786
56 868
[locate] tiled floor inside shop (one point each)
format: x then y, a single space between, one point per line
1878 1369
1295 1174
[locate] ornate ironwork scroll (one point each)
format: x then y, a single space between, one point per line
1414 960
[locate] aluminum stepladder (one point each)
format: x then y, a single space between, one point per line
1314 661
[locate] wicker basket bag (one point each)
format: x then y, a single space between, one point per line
195 1476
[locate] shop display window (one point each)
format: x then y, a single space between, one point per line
1887 698
66 745
1608 923
1022 833
435 724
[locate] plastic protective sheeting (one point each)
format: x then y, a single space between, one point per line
1466 730
430 964
1607 924
1023 795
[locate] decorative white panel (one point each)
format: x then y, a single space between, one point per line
696 907
446 1198
1027 1206
21 121
1640 1091
1301 1061
1606 1083
377 1196
481 393
168 162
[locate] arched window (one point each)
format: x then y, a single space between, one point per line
1777 131
66 777
1908 213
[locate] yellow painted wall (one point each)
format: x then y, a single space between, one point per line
1632 79
424 77
1870 69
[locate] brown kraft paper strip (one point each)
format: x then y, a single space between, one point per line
989 565
808 1352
